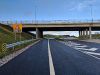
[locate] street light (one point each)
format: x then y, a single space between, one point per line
90 28
35 12
91 7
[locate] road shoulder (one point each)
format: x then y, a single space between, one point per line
7 58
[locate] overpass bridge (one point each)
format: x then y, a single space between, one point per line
39 26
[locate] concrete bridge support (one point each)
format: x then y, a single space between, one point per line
39 33
86 32
90 35
83 32
80 33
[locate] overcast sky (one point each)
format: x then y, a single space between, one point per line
49 10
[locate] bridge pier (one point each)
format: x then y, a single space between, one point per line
83 32
80 33
39 33
86 32
90 35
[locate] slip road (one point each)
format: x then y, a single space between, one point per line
50 57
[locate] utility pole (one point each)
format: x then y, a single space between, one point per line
35 13
90 28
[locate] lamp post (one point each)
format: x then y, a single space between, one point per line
90 28
35 13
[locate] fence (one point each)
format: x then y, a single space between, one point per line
48 22
17 43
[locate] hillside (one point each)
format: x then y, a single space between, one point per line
7 35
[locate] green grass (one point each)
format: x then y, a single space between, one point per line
94 36
11 50
7 36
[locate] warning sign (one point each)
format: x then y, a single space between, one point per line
17 27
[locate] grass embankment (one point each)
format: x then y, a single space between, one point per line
94 36
7 36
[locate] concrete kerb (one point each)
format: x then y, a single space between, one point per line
14 54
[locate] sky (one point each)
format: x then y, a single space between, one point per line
49 10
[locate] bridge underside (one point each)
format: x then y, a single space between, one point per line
82 30
82 27
62 29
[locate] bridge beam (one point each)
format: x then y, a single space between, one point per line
39 33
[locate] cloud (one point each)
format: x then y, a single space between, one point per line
83 5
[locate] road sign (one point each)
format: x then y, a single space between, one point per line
17 28
4 48
14 27
20 27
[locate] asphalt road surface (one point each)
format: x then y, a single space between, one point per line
50 57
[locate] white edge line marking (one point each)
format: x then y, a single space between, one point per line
52 71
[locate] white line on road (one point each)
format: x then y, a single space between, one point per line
52 71
83 49
90 54
93 53
82 46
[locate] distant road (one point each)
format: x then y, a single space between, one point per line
50 57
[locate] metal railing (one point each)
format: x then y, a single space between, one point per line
18 43
47 22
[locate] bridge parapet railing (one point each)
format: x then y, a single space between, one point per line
47 22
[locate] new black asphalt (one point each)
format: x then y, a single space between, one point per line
34 61
66 61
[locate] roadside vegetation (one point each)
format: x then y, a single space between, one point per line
94 36
7 36
53 36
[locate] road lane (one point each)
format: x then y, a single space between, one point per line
68 61
63 59
33 61
92 49
91 44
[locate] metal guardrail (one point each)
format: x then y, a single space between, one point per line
47 22
17 43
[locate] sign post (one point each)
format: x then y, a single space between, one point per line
20 30
14 30
17 28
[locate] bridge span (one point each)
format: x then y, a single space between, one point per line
39 27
